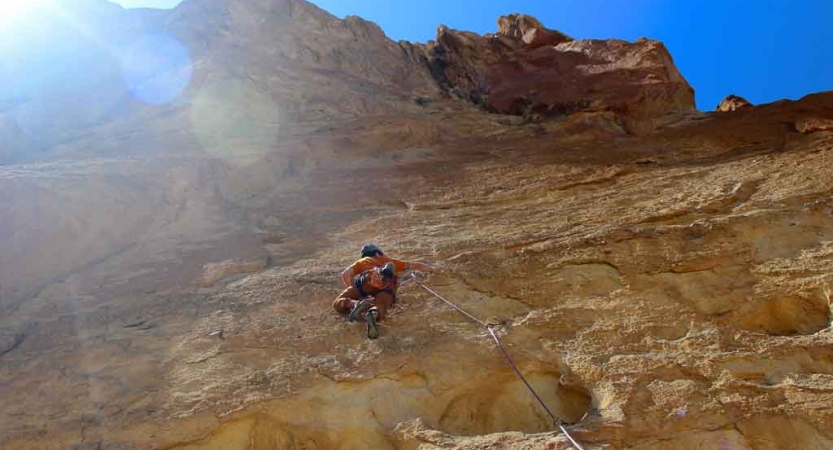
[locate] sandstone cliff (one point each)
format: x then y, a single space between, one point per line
526 69
732 103
661 275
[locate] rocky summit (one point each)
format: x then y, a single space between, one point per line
180 191
732 103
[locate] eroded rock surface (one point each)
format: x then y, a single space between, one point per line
661 276
526 69
732 103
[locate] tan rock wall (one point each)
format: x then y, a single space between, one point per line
663 277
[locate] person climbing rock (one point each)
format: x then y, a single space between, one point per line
371 287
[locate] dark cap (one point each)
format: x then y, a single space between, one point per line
371 250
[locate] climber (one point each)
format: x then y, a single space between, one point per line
371 287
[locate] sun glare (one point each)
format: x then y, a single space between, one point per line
11 10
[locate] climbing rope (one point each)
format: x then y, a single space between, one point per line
491 328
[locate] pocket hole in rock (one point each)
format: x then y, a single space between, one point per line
800 314
509 406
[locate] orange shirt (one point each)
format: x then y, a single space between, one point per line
377 261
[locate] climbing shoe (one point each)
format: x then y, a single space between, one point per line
359 309
372 326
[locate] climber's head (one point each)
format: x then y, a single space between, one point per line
371 250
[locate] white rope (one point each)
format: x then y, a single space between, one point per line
491 328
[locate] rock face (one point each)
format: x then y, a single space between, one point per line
527 69
304 71
813 124
529 30
661 277
255 73
732 103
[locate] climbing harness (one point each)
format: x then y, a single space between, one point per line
358 285
362 279
491 328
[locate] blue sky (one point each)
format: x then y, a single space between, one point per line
763 50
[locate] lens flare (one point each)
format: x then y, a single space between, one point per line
157 69
234 120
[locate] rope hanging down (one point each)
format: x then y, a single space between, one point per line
491 328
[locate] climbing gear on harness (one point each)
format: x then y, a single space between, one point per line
358 284
359 309
387 271
371 250
491 328
372 325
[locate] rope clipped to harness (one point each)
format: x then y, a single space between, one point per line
491 328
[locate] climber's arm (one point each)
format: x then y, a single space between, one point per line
418 266
347 276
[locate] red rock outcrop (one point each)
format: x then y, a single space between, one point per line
732 103
529 30
527 69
